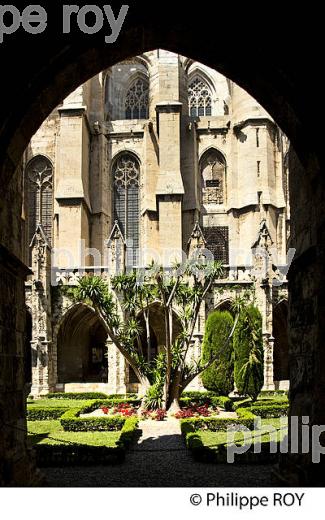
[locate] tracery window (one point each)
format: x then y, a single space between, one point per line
217 241
137 100
39 192
199 98
213 170
126 177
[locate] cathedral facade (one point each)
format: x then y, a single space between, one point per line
149 160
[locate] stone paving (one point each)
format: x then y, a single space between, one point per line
159 458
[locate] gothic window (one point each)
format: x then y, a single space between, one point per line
39 192
137 100
126 173
213 173
199 98
217 241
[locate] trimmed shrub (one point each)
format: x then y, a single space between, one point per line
223 402
39 413
128 431
274 410
71 422
202 398
248 350
198 397
273 393
77 455
123 396
219 377
76 395
114 402
245 418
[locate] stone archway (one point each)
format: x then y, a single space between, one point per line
80 343
53 66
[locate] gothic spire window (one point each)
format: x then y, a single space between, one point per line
199 98
213 176
137 100
39 192
126 173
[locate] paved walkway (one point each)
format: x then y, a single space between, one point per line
160 459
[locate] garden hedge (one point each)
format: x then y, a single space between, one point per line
219 377
89 395
81 454
270 411
39 413
245 418
71 421
76 395
248 403
202 453
77 455
201 398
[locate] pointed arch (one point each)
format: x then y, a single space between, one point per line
126 200
136 104
213 176
81 340
39 196
199 95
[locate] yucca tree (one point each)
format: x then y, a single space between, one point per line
119 304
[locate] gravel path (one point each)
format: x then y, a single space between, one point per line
160 459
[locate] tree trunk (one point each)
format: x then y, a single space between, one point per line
174 393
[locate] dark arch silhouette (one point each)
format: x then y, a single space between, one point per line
41 70
61 63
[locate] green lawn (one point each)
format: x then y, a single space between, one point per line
215 439
51 432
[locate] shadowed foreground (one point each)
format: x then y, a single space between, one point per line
160 459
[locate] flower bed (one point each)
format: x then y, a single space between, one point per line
196 411
202 398
244 418
124 409
155 415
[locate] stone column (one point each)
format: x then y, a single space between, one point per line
268 342
41 313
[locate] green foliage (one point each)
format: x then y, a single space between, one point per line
270 411
43 413
245 418
211 447
128 431
77 395
219 376
120 303
248 352
113 402
71 421
223 402
153 399
56 447
200 398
